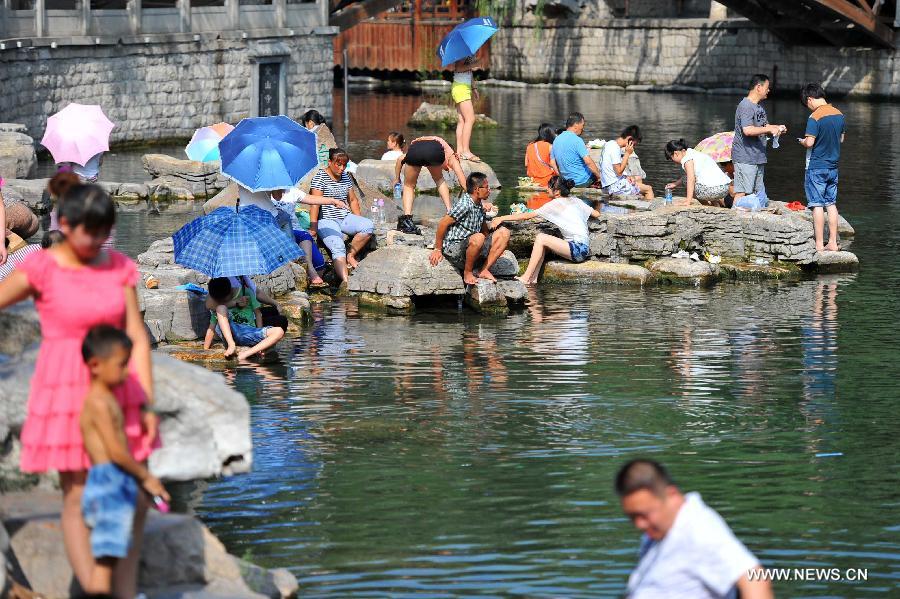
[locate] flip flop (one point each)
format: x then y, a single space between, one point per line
471 158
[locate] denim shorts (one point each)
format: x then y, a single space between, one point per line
821 187
108 505
580 251
244 335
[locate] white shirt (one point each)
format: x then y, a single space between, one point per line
699 558
392 155
706 171
260 199
570 215
91 169
464 77
612 155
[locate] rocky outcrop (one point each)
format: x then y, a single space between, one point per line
180 557
835 262
17 156
648 235
204 424
380 175
443 117
33 191
391 278
175 179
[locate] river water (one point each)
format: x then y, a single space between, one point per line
449 455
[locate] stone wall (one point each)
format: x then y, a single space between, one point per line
695 52
164 86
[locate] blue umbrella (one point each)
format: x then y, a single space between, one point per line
466 39
229 242
268 153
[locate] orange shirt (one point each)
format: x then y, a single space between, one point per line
537 162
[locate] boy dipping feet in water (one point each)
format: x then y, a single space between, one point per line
110 495
463 236
236 324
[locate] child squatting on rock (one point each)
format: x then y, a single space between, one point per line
237 324
110 495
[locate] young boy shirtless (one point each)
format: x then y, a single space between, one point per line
111 492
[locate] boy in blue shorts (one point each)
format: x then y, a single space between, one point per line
110 494
824 136
237 324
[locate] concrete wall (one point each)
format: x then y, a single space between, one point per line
695 52
159 87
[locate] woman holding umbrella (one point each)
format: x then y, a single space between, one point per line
334 182
463 92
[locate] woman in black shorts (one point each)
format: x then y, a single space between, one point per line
434 154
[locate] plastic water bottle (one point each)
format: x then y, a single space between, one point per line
381 217
398 192
668 195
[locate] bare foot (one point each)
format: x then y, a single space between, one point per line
469 279
318 282
833 247
352 261
487 276
243 356
820 248
527 281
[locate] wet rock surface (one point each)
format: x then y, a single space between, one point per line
180 557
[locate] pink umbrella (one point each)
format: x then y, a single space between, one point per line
77 133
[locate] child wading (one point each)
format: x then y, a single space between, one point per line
110 495
236 324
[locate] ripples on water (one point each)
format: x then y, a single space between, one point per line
452 455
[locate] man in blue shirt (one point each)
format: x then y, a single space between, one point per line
570 156
824 136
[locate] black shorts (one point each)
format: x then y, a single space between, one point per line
425 153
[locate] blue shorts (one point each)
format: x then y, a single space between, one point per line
244 335
108 505
821 187
580 251
318 260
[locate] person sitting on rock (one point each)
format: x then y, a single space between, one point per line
614 162
570 215
463 236
237 325
340 219
571 156
286 201
704 179
110 498
539 163
436 155
395 143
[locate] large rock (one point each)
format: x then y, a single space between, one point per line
404 271
836 262
30 191
443 117
180 557
204 424
683 271
489 297
17 156
172 177
595 271
380 174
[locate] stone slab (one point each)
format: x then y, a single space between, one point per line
595 271
443 117
836 262
684 271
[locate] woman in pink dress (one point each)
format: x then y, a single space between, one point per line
76 285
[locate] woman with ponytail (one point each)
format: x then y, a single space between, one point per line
705 181
570 215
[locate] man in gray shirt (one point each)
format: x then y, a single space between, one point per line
751 126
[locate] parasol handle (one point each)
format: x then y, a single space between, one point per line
237 205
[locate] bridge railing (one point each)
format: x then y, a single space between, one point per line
28 19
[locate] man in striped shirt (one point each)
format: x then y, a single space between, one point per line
463 236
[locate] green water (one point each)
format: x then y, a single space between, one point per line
448 455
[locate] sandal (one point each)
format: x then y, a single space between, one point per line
470 157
